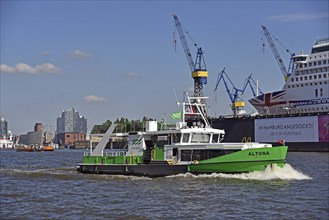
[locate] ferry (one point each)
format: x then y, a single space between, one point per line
193 146
306 89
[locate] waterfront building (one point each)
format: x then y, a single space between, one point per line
33 137
71 127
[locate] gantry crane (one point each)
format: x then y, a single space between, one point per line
237 104
198 68
277 55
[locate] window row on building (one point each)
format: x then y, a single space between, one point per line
313 109
315 57
308 84
314 63
309 77
310 71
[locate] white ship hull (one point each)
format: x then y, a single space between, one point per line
306 90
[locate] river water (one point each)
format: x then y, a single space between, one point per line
45 185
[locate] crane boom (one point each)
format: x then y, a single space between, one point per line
184 43
275 52
198 68
235 94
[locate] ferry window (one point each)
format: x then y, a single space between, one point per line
302 85
309 64
288 86
324 62
293 86
305 77
292 79
174 151
310 77
321 92
315 83
319 76
296 79
186 155
186 137
200 138
319 62
305 65
314 63
301 78
324 75
306 84
315 77
214 138
316 93
176 137
297 85
301 65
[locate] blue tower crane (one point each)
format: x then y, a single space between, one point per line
198 68
237 104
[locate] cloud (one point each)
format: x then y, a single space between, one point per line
26 68
45 53
298 17
77 54
94 99
131 75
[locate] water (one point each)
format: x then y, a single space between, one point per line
45 185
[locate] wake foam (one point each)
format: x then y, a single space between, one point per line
270 173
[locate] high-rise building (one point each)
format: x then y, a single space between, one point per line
71 121
71 124
3 126
38 127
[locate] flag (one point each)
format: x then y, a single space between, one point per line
176 115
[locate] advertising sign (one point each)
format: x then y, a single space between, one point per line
323 123
290 129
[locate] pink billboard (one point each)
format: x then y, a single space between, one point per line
323 128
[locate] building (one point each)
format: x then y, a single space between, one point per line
33 137
3 127
38 127
71 127
71 121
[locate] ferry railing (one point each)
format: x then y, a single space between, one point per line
111 153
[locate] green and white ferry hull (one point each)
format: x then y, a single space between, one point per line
256 159
190 147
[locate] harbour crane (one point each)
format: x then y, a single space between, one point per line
277 55
237 104
198 68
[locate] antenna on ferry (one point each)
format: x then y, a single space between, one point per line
177 102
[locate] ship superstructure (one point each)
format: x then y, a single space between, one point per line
306 89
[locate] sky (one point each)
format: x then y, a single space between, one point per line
110 59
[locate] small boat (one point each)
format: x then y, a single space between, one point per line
193 146
47 148
24 148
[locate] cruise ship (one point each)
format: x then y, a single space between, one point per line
305 89
297 114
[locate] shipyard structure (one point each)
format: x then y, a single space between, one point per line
298 114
